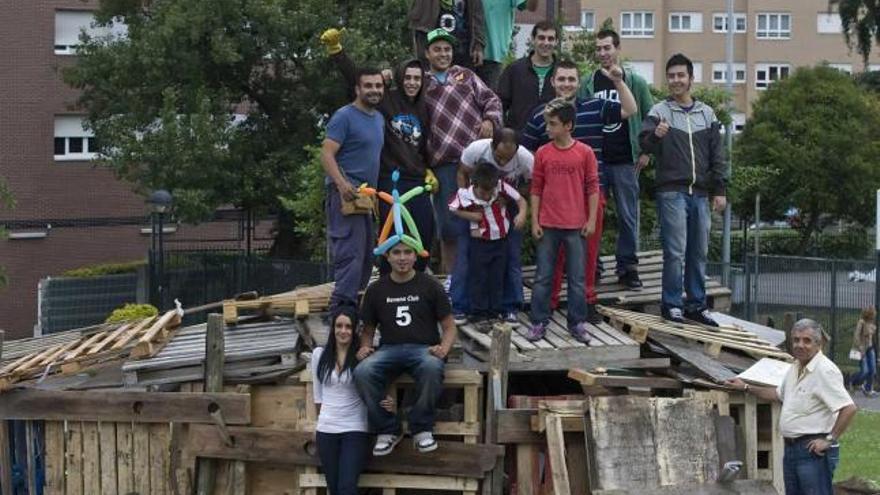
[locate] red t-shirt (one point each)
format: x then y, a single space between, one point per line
563 178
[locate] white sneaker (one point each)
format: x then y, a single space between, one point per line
385 443
424 441
511 319
447 284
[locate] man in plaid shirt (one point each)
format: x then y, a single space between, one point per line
462 109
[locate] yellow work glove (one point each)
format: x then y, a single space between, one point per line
332 40
431 182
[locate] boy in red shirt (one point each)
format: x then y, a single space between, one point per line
566 171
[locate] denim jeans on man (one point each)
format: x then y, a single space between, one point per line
512 300
547 250
867 371
459 288
351 239
684 235
444 220
372 376
623 184
343 457
806 473
488 262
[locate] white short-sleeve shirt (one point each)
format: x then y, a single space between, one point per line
810 405
342 409
518 168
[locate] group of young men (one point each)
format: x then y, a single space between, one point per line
542 143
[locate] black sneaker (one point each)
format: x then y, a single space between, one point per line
630 280
593 316
673 314
703 317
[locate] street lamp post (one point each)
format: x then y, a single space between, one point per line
160 202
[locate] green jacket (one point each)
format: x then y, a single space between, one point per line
644 100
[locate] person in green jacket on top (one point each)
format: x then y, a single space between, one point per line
622 157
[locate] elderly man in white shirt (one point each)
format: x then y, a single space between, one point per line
816 410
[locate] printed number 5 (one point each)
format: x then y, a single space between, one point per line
403 316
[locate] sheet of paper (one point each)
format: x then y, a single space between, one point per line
767 371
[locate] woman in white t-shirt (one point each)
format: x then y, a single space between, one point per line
342 433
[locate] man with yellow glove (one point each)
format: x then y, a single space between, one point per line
406 136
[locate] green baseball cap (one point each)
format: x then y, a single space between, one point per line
440 34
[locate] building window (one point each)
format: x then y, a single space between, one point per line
766 74
698 72
643 69
719 73
828 23
70 23
637 24
873 67
588 20
773 26
719 22
685 22
848 68
73 142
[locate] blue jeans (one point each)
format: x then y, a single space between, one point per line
684 234
343 457
512 300
352 239
623 185
372 376
488 260
443 219
459 288
806 473
867 370
575 258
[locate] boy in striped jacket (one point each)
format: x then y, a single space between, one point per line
484 205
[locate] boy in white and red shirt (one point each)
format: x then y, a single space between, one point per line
484 205
566 172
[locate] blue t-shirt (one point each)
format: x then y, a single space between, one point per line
360 136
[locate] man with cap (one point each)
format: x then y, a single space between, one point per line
463 20
461 109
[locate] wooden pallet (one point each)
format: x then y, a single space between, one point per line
639 325
137 339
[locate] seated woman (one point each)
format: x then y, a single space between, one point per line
342 434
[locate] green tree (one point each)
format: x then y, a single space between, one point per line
812 143
218 100
860 20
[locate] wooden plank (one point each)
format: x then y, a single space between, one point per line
169 319
556 452
74 459
141 457
5 459
157 336
124 458
738 487
396 481
61 350
621 432
91 458
586 378
142 407
30 449
159 455
54 452
750 429
691 354
496 399
525 469
132 332
109 337
107 441
214 360
298 448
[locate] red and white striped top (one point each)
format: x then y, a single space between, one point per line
494 224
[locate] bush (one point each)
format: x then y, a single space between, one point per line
131 312
102 269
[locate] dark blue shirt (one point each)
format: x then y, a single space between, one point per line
360 136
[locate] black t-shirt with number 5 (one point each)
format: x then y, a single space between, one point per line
406 313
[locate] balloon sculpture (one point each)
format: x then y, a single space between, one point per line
398 215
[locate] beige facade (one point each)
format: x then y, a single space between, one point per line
773 37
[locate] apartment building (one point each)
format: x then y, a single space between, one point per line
771 39
70 211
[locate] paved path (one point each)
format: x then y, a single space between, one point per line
865 403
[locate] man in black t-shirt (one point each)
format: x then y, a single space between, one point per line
406 306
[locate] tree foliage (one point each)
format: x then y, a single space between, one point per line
217 100
860 20
812 143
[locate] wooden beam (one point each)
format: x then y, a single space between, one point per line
270 445
140 407
586 378
30 437
556 452
496 399
5 460
396 481
215 355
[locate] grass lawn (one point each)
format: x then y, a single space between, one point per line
860 449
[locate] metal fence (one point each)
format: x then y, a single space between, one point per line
832 292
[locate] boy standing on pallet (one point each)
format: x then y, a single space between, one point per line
406 306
